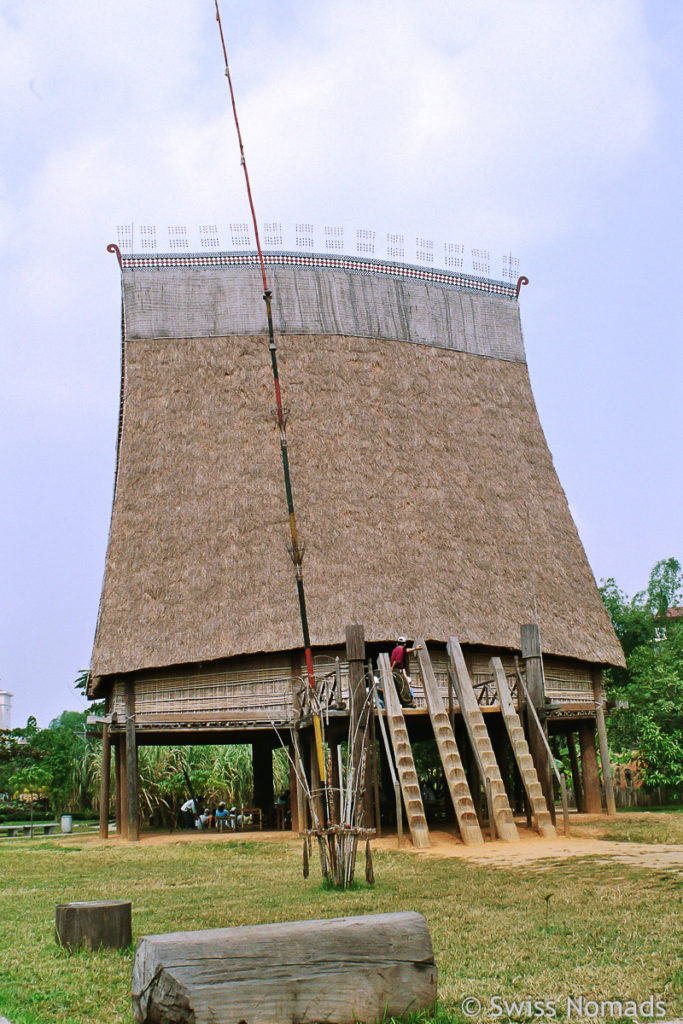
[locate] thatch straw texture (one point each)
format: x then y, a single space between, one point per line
425 493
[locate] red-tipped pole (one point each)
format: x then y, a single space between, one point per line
296 551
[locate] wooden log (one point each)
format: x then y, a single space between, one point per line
93 924
343 970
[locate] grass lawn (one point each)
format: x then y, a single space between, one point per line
647 826
615 931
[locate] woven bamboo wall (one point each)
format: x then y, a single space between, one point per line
268 689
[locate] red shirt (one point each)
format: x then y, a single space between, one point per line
398 657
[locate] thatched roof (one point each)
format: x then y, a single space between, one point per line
424 488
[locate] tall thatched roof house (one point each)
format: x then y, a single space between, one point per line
425 491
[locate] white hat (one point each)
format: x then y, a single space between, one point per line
402 640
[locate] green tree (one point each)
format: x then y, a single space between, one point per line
665 588
652 684
30 780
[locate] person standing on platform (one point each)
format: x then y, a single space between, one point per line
399 668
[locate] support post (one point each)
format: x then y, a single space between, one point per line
262 766
501 750
105 783
293 791
531 653
131 765
565 803
118 783
599 695
355 655
124 786
576 772
589 764
299 744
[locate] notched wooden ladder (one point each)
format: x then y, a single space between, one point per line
448 750
405 764
499 806
520 747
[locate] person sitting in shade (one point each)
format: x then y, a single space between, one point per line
221 816
399 668
205 820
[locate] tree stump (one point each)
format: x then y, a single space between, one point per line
340 970
93 924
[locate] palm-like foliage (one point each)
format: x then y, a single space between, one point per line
216 773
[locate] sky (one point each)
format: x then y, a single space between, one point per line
550 129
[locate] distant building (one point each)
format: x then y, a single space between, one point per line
5 710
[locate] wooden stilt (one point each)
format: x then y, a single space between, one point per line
131 766
576 772
262 762
293 795
118 751
105 783
531 653
124 786
589 764
599 694
299 745
501 749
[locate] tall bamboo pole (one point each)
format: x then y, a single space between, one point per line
296 551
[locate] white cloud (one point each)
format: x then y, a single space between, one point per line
479 123
502 122
490 121
493 118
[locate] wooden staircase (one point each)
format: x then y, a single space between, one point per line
405 765
499 806
448 750
527 770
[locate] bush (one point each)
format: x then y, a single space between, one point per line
23 813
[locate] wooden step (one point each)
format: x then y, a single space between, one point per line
448 751
527 769
481 744
405 765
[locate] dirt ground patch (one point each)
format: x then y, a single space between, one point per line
445 844
531 849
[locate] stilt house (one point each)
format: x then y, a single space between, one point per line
426 497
